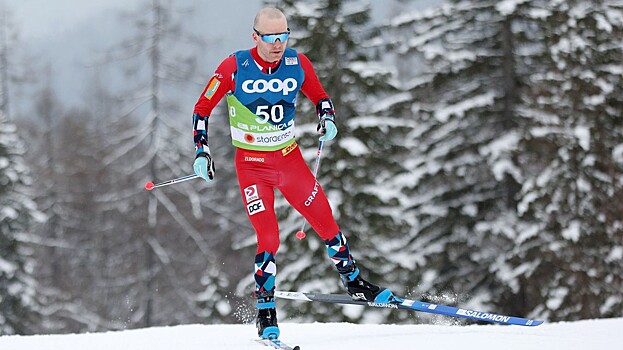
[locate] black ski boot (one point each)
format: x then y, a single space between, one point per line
360 289
266 324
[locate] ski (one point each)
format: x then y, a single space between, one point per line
277 344
415 305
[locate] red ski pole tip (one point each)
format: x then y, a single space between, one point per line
149 186
300 235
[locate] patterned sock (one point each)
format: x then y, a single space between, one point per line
338 251
265 271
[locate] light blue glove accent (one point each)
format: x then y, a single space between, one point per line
326 123
330 130
204 167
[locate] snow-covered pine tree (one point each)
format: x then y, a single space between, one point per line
167 248
470 60
568 264
18 214
68 178
336 36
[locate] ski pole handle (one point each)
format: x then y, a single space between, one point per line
150 185
301 233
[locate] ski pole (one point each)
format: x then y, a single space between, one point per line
301 233
150 185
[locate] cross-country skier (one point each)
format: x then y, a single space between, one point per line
261 85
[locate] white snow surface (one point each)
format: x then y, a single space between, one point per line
589 334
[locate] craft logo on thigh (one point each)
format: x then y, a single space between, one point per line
311 198
255 207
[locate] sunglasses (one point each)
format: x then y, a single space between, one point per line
272 38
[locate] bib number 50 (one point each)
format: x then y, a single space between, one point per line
275 114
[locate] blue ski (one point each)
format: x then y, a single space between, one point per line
276 344
416 305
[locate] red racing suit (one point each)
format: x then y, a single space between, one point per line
276 162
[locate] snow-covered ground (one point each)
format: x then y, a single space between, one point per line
592 334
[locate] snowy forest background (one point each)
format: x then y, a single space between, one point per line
479 159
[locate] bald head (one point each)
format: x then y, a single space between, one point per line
269 21
268 14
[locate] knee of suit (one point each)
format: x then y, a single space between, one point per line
268 243
326 230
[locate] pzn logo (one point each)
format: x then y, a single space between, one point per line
255 207
273 85
250 193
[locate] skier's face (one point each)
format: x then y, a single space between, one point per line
271 47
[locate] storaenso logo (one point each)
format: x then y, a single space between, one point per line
273 85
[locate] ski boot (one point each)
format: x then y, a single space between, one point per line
360 289
266 324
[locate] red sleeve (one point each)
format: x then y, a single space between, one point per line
221 82
311 85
